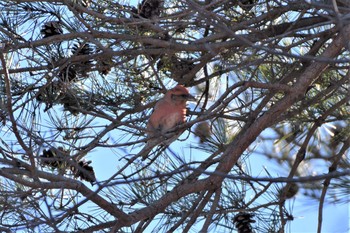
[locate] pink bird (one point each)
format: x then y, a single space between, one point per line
169 112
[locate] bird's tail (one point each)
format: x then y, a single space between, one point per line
146 150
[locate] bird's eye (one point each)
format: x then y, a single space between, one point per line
179 97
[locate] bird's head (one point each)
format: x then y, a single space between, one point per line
179 95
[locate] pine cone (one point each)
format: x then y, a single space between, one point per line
83 67
54 158
84 171
243 222
180 67
202 131
51 28
83 49
150 9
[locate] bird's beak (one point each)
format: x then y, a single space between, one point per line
190 97
181 97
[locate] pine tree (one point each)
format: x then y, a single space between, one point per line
267 134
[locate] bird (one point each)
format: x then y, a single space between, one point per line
169 112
